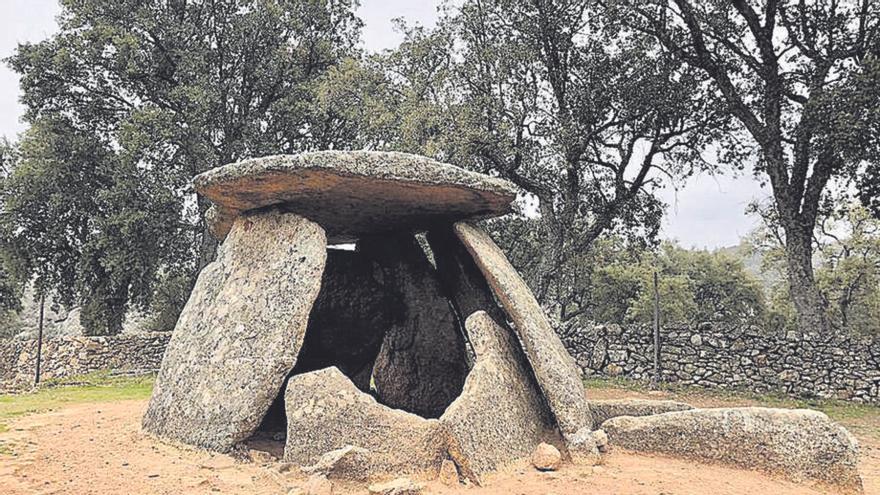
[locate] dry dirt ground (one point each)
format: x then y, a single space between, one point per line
98 449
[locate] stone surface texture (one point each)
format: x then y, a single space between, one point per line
422 364
239 334
604 410
546 457
326 412
555 370
500 415
353 193
448 473
710 355
348 463
585 446
399 486
799 444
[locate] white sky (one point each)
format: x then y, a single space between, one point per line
707 212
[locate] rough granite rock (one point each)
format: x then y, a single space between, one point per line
239 334
604 410
546 457
422 364
448 473
500 416
348 463
353 193
325 412
556 372
585 446
799 444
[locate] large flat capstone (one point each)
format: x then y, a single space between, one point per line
555 370
354 193
799 444
240 332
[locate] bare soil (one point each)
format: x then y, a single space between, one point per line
99 449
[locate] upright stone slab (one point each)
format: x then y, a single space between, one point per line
240 332
422 364
325 412
555 370
500 415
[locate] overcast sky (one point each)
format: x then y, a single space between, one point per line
707 212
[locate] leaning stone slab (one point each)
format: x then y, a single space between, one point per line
354 193
799 444
326 412
604 410
500 416
239 334
422 364
555 370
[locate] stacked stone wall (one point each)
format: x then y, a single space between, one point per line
802 365
70 356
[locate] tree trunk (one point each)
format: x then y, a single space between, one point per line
808 301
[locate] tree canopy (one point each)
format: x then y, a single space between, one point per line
130 100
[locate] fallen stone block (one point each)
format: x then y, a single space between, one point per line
348 463
798 444
603 410
326 412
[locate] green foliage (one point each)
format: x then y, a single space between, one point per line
130 100
613 281
535 93
847 241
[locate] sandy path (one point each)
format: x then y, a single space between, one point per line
99 449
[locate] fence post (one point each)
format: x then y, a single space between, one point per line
656 330
40 340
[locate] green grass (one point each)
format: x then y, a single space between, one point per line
55 394
862 417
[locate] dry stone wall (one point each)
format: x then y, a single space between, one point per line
70 356
802 365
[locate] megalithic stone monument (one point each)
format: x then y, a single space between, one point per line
411 351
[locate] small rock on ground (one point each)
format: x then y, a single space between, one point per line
546 457
319 485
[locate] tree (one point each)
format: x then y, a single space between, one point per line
847 243
534 92
798 77
129 101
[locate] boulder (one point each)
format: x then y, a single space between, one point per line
546 457
499 416
239 334
798 444
585 446
422 364
355 193
555 371
604 410
326 412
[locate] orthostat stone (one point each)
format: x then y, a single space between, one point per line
555 371
354 193
239 333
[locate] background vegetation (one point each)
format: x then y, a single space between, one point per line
589 106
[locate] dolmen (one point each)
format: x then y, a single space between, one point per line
356 308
